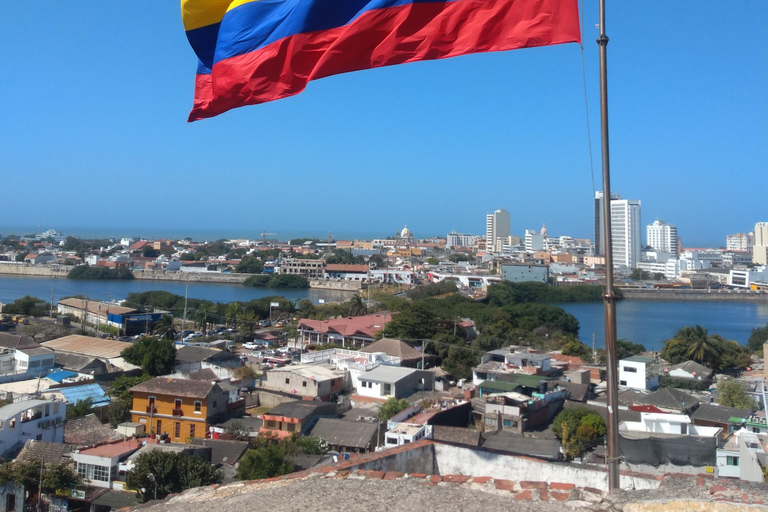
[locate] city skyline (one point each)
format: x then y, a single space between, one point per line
105 139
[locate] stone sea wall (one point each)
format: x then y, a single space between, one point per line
706 295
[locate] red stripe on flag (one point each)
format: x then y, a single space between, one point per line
383 37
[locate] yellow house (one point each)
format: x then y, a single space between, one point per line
180 408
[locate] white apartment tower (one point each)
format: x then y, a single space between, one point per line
625 230
662 237
497 230
455 239
760 248
740 242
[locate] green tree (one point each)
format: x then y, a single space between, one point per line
164 327
266 461
159 473
237 430
732 393
121 398
393 406
28 474
757 339
80 409
250 265
357 306
306 309
156 357
203 316
640 275
150 252
433 261
233 310
578 349
577 428
311 445
24 305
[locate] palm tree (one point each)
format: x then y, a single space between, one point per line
248 321
202 317
233 310
164 327
357 307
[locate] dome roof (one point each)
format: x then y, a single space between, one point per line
406 233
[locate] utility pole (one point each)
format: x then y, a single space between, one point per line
51 315
98 322
186 295
423 347
609 298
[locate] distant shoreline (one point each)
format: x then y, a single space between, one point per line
696 295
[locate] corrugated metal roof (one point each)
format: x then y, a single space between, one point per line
60 375
92 391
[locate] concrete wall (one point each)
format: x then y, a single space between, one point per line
714 295
192 277
332 284
454 460
23 269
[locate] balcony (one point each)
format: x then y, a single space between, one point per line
178 412
151 409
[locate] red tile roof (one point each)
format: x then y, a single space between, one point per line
346 268
348 326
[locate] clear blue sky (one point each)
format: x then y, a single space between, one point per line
94 139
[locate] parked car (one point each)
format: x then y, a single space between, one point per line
193 336
250 345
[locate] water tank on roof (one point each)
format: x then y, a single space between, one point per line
543 387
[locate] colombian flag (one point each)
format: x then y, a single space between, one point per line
254 51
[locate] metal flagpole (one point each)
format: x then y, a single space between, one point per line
609 299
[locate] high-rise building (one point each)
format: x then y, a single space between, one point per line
662 237
455 239
497 230
625 230
740 242
760 247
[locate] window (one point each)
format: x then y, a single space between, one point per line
271 424
622 383
387 389
151 401
288 381
192 430
630 369
34 364
304 383
177 430
198 406
47 410
491 422
214 404
290 427
93 472
732 461
56 408
12 423
177 403
507 423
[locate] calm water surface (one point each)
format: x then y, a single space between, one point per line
13 287
646 322
652 322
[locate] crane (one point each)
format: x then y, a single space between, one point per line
264 237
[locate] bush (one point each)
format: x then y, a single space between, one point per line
577 429
665 381
86 272
277 281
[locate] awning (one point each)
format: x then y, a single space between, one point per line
118 499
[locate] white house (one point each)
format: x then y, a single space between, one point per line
638 372
662 423
99 465
42 420
404 433
742 455
394 381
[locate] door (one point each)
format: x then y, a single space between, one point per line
10 503
159 427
